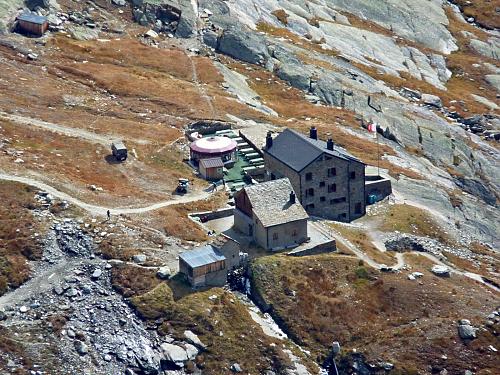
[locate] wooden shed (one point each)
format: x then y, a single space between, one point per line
203 266
212 169
32 24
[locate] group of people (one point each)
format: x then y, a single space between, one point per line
214 185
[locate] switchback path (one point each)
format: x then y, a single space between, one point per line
400 262
101 210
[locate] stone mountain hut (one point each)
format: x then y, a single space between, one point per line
271 213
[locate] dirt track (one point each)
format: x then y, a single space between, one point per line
101 210
68 131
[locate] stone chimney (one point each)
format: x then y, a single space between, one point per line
269 141
292 197
329 144
313 133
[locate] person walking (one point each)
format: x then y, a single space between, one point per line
109 215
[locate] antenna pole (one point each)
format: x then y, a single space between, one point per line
378 153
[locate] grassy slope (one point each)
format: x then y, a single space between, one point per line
17 227
336 300
223 324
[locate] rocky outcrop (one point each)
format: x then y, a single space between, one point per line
8 12
186 27
243 44
477 188
409 19
490 48
494 80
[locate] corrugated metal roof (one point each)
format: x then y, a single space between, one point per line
33 18
297 150
201 256
212 163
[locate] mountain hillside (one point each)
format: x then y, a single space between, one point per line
89 247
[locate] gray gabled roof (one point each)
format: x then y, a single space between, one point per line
201 256
32 17
298 151
271 203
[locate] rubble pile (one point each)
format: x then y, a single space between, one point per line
72 240
100 330
406 242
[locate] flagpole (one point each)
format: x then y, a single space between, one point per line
378 153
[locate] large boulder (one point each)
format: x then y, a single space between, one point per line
466 331
210 38
175 354
329 90
432 100
490 48
186 27
83 33
192 338
297 75
441 271
217 7
244 44
493 80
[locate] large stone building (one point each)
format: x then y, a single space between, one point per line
270 213
329 182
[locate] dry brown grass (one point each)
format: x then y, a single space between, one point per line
409 219
242 340
281 15
131 280
362 240
67 159
484 12
17 228
383 314
10 348
176 222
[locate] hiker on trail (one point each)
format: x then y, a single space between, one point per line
109 215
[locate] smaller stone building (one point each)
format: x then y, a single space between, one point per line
271 214
230 248
203 266
212 169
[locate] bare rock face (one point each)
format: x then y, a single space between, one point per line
409 19
243 44
490 48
